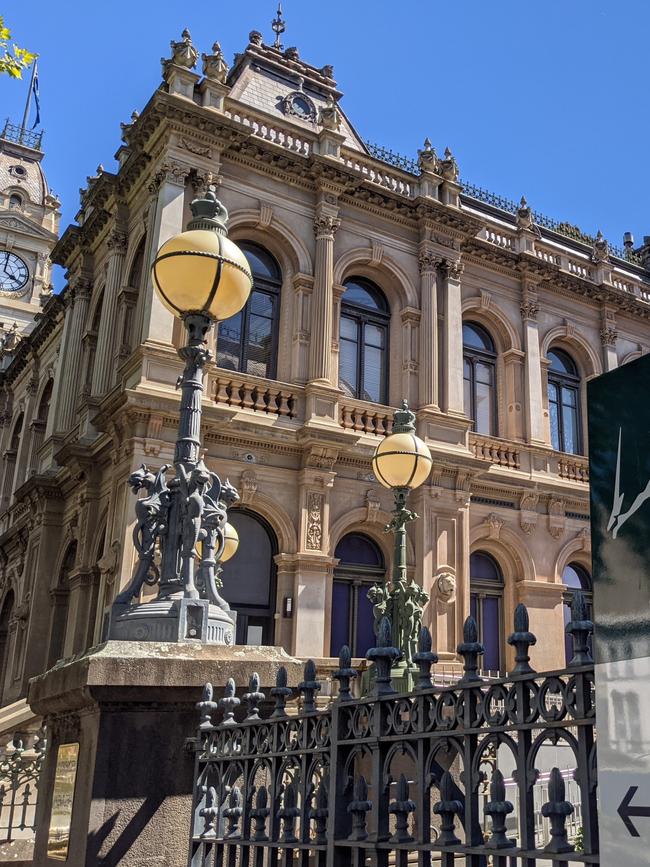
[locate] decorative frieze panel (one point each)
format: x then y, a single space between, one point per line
315 502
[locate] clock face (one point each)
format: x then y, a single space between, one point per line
13 272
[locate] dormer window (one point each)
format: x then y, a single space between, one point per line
15 201
18 171
298 104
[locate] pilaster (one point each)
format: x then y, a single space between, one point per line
428 344
326 224
104 367
450 272
71 352
608 337
533 396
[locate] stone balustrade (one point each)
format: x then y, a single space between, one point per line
548 256
270 131
499 239
573 469
496 451
379 173
579 269
256 395
367 418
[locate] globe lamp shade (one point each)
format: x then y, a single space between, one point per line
402 460
231 543
202 271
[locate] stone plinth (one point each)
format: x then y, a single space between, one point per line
131 707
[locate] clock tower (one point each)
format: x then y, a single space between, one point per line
29 226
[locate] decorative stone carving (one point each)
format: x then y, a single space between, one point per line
321 458
600 249
494 524
195 148
449 166
248 485
428 262
326 226
184 53
428 158
255 37
373 505
314 539
585 537
445 587
109 563
118 241
556 517
266 215
298 104
529 309
329 115
528 515
214 65
608 336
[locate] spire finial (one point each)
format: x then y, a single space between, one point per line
278 25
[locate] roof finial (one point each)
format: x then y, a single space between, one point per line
278 25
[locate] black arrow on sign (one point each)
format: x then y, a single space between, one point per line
625 811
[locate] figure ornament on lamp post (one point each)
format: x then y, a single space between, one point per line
202 277
402 462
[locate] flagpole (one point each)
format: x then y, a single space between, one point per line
29 98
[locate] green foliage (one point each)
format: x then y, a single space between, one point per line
13 60
579 841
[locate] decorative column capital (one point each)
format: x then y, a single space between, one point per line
608 336
170 171
118 241
428 262
451 269
529 310
326 226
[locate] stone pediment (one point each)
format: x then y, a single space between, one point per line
16 222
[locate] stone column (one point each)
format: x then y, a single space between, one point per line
22 456
71 354
428 356
104 368
158 322
326 224
534 398
453 338
608 336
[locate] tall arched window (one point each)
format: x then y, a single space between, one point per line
39 425
486 606
361 564
61 599
574 577
5 618
247 342
249 578
363 341
15 201
564 402
11 456
479 378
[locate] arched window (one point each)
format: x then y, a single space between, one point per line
486 606
15 201
361 564
90 343
363 341
249 578
247 342
5 649
11 456
39 425
479 378
564 402
61 599
574 577
130 299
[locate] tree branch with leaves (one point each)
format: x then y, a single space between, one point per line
13 59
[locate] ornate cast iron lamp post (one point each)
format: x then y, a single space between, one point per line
202 277
402 462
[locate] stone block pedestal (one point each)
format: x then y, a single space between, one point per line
130 707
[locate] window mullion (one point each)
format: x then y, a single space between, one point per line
361 336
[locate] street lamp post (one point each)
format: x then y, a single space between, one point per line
402 462
202 277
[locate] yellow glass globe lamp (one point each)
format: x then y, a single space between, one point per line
231 543
402 459
202 270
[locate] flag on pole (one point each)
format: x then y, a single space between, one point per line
37 101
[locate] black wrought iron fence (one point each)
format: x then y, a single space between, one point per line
20 769
461 774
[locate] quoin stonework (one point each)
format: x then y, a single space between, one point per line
377 278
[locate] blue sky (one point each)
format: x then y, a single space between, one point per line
549 99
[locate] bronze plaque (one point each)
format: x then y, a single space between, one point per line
65 776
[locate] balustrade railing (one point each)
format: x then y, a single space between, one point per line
366 419
20 770
257 395
496 451
573 469
450 775
270 131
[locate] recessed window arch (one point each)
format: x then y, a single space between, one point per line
564 402
249 577
479 378
248 342
61 603
6 614
486 606
15 201
361 564
575 577
363 341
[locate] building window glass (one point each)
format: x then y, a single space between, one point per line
249 578
479 378
575 577
363 342
486 606
247 342
15 201
361 564
564 402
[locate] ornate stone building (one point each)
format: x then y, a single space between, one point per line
376 278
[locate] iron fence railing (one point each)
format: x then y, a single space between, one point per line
20 770
472 191
461 774
22 135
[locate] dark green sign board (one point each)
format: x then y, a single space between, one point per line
619 458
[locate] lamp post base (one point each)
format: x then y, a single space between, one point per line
191 621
